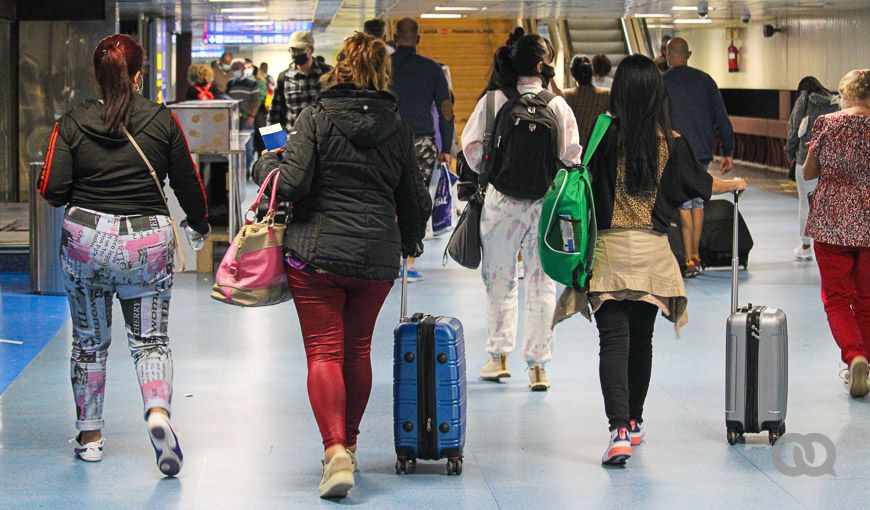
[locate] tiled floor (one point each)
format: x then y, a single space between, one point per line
251 442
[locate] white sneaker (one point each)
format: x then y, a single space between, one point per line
495 369
802 254
618 449
858 373
88 452
337 479
352 455
165 443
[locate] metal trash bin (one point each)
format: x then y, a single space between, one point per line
46 223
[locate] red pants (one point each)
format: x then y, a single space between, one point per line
846 296
337 315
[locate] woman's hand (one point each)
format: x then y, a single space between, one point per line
738 183
727 186
279 150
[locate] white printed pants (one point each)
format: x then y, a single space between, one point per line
509 226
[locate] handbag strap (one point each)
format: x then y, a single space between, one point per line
271 178
598 132
160 189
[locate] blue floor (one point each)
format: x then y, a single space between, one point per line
250 440
27 323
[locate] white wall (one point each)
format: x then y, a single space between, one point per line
826 48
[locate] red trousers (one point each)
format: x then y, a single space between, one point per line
337 315
846 296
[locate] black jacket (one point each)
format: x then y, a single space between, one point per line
86 166
351 171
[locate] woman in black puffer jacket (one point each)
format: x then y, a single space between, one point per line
350 170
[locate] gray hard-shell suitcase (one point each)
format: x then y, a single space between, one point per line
756 387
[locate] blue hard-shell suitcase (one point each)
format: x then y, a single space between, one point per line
429 395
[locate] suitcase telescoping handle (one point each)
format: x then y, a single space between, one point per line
735 257
403 307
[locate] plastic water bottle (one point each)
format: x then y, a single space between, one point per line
193 237
567 225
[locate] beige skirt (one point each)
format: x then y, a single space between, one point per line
634 265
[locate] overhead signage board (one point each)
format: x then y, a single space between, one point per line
222 31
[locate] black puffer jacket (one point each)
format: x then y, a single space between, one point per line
351 171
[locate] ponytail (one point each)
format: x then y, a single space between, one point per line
117 60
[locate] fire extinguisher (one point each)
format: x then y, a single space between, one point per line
733 66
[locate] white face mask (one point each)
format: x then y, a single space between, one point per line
249 71
237 74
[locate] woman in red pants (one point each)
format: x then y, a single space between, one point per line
350 170
839 222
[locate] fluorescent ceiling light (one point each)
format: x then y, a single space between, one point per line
684 8
243 9
258 23
246 17
690 21
660 26
652 15
447 8
440 16
234 1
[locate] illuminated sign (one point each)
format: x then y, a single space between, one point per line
220 31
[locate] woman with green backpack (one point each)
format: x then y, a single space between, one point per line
641 172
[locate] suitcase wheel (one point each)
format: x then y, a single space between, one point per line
404 465
733 437
773 436
454 467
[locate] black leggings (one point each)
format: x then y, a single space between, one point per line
625 330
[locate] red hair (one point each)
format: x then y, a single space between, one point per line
117 59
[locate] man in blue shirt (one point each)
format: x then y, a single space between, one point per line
699 115
418 83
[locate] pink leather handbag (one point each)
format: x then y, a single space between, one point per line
252 272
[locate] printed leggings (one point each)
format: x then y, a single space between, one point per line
131 256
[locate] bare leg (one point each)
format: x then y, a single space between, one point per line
697 228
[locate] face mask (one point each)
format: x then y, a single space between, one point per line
249 71
226 67
237 74
300 60
547 73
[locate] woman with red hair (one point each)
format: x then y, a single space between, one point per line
106 162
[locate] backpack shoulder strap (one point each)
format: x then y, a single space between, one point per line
598 132
546 96
483 177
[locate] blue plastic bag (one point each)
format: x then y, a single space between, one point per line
442 205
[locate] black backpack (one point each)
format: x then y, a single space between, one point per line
525 146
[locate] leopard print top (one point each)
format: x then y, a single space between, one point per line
635 211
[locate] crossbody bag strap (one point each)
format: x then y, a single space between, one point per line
162 193
598 132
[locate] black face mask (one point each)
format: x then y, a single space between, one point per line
300 60
547 74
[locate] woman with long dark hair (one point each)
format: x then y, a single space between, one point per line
509 221
813 101
359 204
641 173
103 162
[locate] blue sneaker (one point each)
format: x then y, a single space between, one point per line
165 442
413 275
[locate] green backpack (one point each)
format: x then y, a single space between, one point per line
567 229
